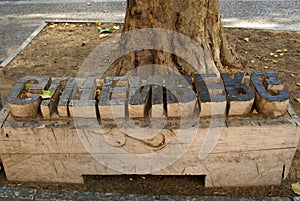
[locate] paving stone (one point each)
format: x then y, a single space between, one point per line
17 193
43 195
209 198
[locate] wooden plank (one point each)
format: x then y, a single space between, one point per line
255 168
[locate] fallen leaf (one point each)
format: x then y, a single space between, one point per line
255 112
103 35
292 75
275 61
282 50
266 67
116 27
298 84
47 94
247 39
252 61
275 55
272 54
298 100
282 54
88 4
104 30
296 188
98 23
27 86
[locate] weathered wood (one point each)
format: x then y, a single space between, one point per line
270 101
138 98
211 95
113 100
181 98
240 96
49 106
157 100
30 106
51 150
85 107
63 104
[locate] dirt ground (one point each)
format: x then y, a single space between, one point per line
59 50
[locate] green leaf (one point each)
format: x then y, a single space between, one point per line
296 188
104 30
47 94
27 86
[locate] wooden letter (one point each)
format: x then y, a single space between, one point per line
157 100
138 98
27 106
63 90
240 96
181 99
271 100
211 95
85 107
113 100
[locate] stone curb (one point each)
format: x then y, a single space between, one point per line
24 45
7 193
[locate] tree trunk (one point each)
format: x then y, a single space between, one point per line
197 19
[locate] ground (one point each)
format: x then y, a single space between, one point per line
60 49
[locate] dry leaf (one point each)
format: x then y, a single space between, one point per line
247 39
296 188
266 67
255 112
298 84
103 35
298 100
275 61
88 4
292 75
98 23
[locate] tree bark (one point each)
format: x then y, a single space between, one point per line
197 19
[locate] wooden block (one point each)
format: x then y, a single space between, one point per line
239 159
113 101
240 96
59 85
181 98
272 102
157 99
211 95
85 107
29 106
65 97
138 98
